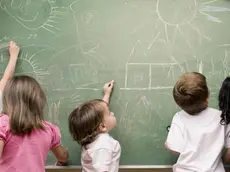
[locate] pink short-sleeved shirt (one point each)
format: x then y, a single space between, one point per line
26 153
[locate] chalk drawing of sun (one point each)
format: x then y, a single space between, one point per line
47 16
178 16
27 64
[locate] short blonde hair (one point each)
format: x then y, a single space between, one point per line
191 92
24 101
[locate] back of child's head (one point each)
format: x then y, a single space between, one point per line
24 101
224 101
191 92
85 120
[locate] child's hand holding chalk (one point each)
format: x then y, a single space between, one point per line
108 87
13 50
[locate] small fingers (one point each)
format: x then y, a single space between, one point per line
13 44
111 83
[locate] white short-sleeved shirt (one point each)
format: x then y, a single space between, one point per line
200 140
101 155
0 101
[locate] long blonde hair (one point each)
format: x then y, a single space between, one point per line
24 101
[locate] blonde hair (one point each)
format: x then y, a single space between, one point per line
24 101
84 121
191 92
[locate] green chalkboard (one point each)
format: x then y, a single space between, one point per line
72 47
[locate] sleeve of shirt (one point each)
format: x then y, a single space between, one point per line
101 160
4 125
175 139
56 136
0 102
227 136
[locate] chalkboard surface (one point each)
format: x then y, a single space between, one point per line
72 47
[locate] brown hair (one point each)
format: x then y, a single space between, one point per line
24 102
85 120
191 92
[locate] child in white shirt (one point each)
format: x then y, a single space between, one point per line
196 133
89 125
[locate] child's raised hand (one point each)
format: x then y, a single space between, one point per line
108 87
13 49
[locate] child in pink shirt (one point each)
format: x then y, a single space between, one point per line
25 137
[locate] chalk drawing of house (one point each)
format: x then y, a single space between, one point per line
151 67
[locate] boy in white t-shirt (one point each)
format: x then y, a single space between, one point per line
196 133
89 125
9 71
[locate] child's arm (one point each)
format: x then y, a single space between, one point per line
170 150
175 139
101 160
226 157
61 154
1 147
108 87
9 71
58 150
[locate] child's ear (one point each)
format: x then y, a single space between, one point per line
102 128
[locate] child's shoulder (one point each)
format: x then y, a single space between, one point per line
205 117
103 141
214 111
48 124
52 127
210 111
105 137
4 122
178 118
4 118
